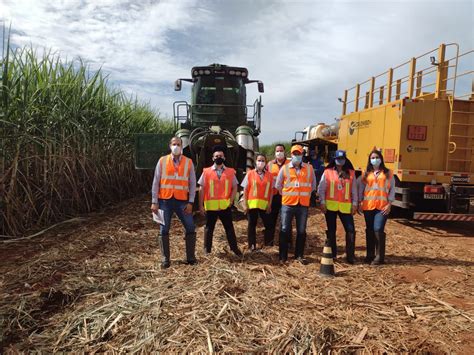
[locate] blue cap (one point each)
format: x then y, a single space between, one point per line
340 154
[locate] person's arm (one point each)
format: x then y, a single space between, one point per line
245 186
313 180
155 188
391 191
192 184
279 181
360 188
235 183
355 193
201 183
322 194
270 197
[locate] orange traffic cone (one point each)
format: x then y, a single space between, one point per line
327 263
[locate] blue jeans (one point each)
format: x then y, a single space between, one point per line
301 215
375 220
346 218
175 206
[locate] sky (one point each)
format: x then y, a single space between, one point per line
306 52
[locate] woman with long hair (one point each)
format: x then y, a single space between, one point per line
376 194
338 197
258 193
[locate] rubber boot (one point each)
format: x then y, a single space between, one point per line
268 236
232 240
370 246
190 248
350 247
283 247
299 247
380 249
331 237
164 241
207 240
252 238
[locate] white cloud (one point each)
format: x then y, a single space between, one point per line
306 52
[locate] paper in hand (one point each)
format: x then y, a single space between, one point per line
159 217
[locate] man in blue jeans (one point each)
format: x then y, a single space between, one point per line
295 182
173 191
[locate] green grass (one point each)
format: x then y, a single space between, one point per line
269 149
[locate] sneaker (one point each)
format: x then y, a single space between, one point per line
238 253
301 260
165 264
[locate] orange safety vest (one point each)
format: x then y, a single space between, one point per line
296 187
174 182
376 191
338 191
217 191
274 169
257 192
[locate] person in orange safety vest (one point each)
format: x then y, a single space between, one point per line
258 184
173 191
376 194
274 167
295 182
216 196
338 196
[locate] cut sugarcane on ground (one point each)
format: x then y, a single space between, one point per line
95 284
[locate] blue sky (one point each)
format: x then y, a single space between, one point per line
306 52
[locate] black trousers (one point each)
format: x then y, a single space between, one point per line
226 218
252 217
272 219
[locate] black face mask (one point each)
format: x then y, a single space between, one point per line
219 161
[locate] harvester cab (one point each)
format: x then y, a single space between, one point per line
217 114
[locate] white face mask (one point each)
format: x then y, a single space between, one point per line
260 165
175 149
279 155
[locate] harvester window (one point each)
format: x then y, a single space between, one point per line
207 95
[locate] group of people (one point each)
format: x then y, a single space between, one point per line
282 187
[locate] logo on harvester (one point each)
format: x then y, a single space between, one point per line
358 125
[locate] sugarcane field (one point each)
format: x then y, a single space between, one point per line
283 177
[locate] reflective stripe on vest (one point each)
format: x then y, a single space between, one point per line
338 200
258 190
376 191
174 181
217 190
296 187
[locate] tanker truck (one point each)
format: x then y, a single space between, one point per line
420 115
217 114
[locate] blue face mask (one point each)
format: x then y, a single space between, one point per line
340 162
296 159
375 162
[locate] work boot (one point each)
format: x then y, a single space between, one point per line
331 241
370 246
190 239
207 240
164 241
283 247
268 237
299 245
350 247
380 249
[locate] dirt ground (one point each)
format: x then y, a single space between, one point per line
96 285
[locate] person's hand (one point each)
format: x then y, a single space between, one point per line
245 209
360 210
386 209
155 207
202 210
322 206
189 208
354 209
269 209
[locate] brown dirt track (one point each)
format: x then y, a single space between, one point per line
96 285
